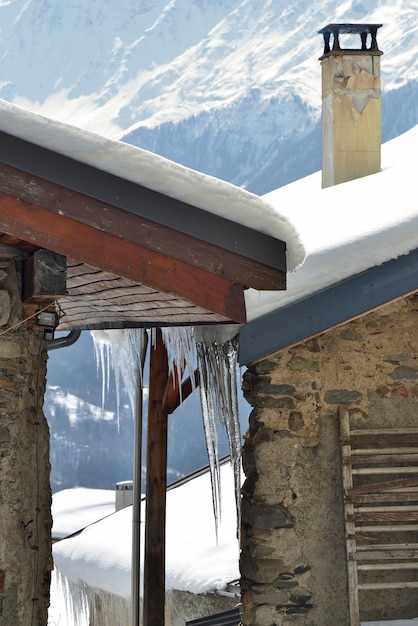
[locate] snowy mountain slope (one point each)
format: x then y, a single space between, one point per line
231 88
228 87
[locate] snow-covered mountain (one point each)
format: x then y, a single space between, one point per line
229 87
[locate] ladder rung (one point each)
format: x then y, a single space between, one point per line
387 546
413 584
369 567
385 470
383 555
379 516
387 528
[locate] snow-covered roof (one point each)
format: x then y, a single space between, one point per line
155 172
74 509
101 554
348 228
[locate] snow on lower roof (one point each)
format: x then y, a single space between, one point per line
348 228
155 172
73 509
100 556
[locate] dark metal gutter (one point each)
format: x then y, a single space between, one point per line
228 618
142 201
328 308
64 342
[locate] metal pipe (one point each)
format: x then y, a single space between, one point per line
64 342
137 480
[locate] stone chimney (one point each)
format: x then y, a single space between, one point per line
351 109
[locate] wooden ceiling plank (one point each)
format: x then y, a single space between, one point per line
140 230
71 238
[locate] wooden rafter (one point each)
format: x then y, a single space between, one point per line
124 258
139 230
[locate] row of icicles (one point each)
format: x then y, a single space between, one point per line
121 351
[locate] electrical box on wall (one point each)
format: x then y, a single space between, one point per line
44 277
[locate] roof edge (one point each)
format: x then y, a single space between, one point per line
328 308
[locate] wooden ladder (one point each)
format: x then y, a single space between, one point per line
380 481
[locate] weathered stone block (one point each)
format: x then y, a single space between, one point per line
277 598
265 516
300 363
343 396
404 372
10 349
296 421
5 307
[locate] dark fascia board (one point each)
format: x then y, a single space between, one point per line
142 201
328 308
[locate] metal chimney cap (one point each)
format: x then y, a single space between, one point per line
352 29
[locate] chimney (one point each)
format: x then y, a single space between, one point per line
351 109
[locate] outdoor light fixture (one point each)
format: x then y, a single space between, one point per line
48 320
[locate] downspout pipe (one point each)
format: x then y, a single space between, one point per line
64 342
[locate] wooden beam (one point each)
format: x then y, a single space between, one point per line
154 564
110 252
140 230
175 395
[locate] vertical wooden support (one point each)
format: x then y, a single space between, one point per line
350 528
154 563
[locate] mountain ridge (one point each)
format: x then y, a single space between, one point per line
227 87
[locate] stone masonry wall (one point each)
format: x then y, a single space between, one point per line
293 550
25 496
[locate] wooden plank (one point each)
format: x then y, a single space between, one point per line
387 528
376 459
140 230
383 486
387 516
174 396
154 563
383 497
382 440
370 567
382 555
111 253
391 585
399 509
383 431
387 546
353 599
384 470
378 451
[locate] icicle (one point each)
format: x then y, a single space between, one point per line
119 350
180 346
218 365
76 604
69 602
216 350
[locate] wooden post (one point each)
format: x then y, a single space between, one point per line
154 560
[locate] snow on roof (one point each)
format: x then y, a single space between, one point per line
155 172
348 228
73 509
101 554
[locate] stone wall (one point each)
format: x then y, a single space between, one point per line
293 551
25 496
